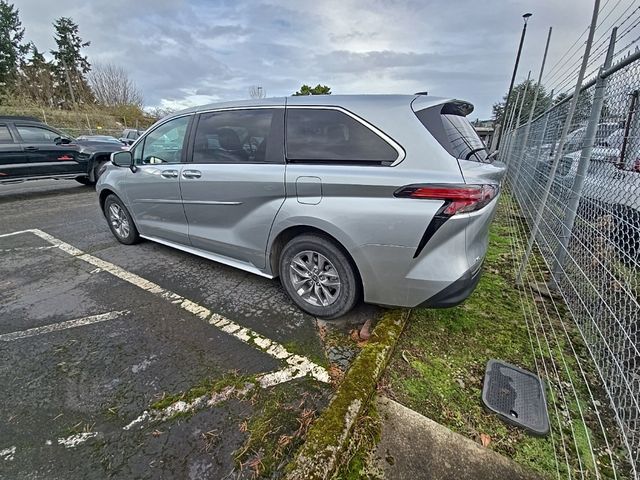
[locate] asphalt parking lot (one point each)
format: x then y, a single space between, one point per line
142 361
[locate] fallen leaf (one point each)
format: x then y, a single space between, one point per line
485 439
404 357
354 335
365 331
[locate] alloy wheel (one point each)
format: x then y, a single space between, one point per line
119 220
314 278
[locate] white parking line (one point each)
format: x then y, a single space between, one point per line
77 439
7 453
297 365
23 249
78 322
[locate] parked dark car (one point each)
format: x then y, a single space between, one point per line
130 135
31 150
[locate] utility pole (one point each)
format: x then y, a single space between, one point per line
515 71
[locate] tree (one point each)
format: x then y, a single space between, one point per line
317 90
542 104
112 87
37 81
12 50
70 66
256 91
583 106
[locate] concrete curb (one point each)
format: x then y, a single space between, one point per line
412 444
328 437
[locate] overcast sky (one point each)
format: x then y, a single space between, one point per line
188 52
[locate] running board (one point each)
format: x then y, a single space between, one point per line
211 256
63 176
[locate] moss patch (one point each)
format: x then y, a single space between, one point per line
282 415
326 440
358 462
207 386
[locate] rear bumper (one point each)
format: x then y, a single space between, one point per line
457 292
443 275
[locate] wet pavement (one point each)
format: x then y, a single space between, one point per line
93 334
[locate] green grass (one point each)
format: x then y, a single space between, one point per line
438 366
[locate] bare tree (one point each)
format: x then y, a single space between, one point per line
112 86
256 91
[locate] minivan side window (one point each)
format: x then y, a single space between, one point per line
164 144
449 126
329 135
239 136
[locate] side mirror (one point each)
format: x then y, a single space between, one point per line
122 159
62 141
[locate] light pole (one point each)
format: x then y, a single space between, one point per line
513 77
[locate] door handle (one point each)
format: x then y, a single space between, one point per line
169 174
191 174
31 149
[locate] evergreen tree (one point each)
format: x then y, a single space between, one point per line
543 102
37 81
11 48
70 66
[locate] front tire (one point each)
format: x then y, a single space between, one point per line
120 221
318 276
84 181
99 169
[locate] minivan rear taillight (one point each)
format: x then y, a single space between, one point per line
458 198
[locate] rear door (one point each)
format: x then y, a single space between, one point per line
44 156
234 185
13 160
152 191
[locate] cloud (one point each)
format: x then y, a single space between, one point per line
184 52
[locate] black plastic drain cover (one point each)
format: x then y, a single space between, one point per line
517 396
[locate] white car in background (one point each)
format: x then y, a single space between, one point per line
612 187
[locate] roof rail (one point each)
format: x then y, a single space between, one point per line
20 118
421 93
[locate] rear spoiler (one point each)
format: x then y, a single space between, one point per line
453 105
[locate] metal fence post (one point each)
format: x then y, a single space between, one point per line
514 135
535 97
560 147
585 159
527 128
508 126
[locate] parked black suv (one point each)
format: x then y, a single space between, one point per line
31 150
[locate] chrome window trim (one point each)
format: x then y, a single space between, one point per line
396 146
227 109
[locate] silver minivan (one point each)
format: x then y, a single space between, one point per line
386 198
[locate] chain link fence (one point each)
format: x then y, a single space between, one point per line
587 232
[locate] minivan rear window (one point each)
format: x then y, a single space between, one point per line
328 135
449 126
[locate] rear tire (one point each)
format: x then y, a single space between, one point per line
318 276
120 221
